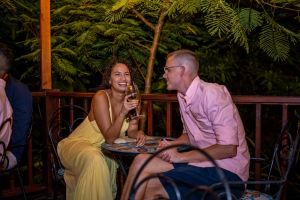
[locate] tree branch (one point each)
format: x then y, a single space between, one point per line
139 15
279 7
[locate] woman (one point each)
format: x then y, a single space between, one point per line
88 173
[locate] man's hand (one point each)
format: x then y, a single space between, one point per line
170 155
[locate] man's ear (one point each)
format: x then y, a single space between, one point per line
182 71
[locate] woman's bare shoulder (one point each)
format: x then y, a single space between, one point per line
99 104
101 94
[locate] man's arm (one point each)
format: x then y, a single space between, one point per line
183 139
217 152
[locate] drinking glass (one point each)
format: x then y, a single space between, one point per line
134 93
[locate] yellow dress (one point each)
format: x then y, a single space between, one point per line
88 173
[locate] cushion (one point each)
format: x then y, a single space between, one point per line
255 195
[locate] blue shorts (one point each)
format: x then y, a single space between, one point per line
186 177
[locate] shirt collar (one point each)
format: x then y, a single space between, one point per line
190 91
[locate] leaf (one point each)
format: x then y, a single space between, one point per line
183 8
250 18
66 51
294 37
274 43
125 5
62 10
238 32
279 1
8 4
218 23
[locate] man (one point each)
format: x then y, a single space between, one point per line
5 123
20 99
210 121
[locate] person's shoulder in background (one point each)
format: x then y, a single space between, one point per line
16 90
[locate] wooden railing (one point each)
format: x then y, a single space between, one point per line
166 107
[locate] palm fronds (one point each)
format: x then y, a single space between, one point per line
274 43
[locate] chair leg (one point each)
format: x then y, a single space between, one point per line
21 183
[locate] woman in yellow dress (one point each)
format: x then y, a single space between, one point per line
88 173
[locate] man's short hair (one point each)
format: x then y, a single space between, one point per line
182 52
186 54
7 52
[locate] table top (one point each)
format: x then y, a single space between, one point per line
130 148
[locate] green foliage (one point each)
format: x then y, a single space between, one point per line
274 43
87 33
7 4
250 18
218 22
238 31
181 7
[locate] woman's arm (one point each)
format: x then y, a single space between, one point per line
100 106
134 132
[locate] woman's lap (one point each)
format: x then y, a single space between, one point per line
86 168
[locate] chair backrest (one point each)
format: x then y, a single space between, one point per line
284 154
62 122
8 120
208 192
3 147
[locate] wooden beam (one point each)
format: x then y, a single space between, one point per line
45 45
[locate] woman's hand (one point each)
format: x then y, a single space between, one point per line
140 138
128 105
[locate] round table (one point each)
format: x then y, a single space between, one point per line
130 149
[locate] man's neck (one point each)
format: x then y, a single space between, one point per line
186 83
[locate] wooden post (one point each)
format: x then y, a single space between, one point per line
45 45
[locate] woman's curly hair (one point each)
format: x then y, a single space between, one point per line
107 72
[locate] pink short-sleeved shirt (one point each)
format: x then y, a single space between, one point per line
5 113
210 117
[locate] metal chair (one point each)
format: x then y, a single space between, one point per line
15 169
4 162
279 167
207 191
63 121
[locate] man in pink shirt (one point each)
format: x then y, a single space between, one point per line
5 122
210 121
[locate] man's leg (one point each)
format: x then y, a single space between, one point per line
156 165
188 177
